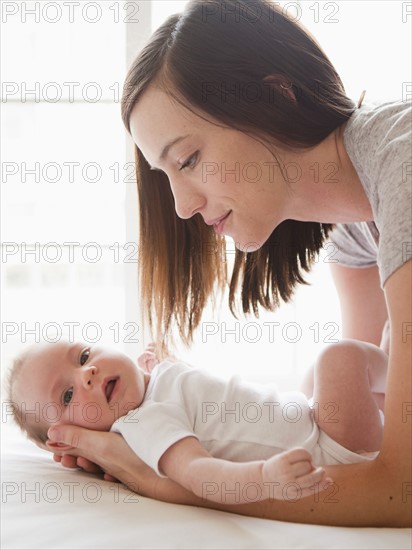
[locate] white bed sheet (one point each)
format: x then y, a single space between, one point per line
46 506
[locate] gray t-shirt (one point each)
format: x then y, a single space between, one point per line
377 139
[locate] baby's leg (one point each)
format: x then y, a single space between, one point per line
307 384
349 383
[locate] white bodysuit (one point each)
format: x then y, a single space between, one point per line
233 420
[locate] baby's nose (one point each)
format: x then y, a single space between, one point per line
87 376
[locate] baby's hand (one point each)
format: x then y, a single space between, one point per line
291 475
148 360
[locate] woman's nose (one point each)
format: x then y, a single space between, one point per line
188 201
87 376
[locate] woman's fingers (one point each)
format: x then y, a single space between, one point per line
74 441
88 466
91 450
70 461
109 451
108 477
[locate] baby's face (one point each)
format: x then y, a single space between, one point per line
76 383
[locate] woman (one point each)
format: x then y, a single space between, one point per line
243 129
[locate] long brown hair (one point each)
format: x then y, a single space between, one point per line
214 59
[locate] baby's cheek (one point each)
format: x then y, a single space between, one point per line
74 414
85 416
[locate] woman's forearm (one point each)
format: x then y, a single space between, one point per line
377 493
363 495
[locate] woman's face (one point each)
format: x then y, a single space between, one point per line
227 177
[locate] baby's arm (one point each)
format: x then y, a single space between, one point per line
289 475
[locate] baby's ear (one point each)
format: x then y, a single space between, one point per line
51 446
56 448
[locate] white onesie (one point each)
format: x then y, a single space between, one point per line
233 420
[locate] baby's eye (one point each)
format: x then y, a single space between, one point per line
84 356
67 397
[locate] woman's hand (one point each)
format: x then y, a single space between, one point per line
89 450
76 462
107 452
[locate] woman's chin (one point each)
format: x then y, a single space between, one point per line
249 246
254 241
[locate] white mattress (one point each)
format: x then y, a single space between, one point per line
46 506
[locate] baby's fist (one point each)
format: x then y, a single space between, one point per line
291 475
148 360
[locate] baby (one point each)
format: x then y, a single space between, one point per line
205 433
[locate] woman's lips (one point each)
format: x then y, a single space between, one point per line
219 226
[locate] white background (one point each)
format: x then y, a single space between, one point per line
369 42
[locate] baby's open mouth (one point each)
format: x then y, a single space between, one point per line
110 386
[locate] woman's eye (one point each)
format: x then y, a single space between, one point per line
67 397
190 162
84 356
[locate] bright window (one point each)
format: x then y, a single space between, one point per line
63 157
69 223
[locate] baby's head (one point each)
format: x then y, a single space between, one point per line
73 383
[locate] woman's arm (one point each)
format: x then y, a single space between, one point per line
378 493
362 303
218 480
108 452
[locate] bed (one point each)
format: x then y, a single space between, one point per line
46 506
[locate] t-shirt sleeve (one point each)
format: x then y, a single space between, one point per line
378 142
394 204
353 246
151 429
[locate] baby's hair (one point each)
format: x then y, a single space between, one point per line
35 431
